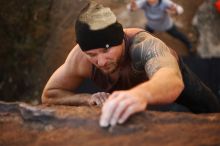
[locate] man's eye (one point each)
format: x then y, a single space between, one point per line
91 55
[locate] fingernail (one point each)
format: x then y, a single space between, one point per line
113 122
103 123
120 121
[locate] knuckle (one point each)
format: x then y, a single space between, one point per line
130 109
111 104
121 104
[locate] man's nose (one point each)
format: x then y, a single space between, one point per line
101 61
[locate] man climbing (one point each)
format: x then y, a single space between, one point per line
134 68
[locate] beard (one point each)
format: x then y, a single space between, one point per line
109 68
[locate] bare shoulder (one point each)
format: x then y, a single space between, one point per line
132 31
77 63
70 75
151 54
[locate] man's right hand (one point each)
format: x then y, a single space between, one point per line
120 106
98 98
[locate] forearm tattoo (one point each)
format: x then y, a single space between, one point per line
151 54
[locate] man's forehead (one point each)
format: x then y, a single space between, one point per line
96 50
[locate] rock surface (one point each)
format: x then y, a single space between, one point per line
207 21
23 125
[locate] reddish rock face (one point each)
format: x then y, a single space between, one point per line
25 125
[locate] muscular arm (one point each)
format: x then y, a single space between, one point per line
163 87
60 87
161 67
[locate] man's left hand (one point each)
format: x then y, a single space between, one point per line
120 106
98 98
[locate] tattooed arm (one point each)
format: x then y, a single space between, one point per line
161 67
164 85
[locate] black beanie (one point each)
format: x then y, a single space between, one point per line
97 27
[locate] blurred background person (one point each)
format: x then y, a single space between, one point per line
158 14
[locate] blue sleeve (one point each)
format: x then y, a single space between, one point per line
141 3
